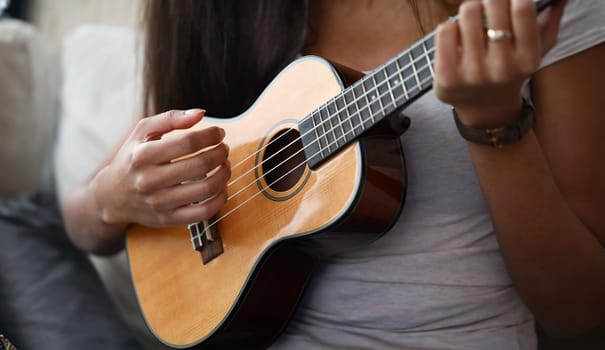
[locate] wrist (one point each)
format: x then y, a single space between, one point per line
490 115
100 202
497 136
110 231
84 225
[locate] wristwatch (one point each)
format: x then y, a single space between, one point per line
500 136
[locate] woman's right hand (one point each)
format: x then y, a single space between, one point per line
145 184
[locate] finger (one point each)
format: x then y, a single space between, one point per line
192 192
194 213
447 55
190 169
497 13
473 41
500 52
152 128
527 35
170 148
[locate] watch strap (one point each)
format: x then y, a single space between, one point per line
499 136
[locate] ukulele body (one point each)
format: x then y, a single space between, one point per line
279 217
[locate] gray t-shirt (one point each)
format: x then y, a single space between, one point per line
437 279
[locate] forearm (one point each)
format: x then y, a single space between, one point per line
85 225
554 259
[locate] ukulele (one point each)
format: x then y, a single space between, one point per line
317 167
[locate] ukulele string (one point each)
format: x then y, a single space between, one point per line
351 117
225 215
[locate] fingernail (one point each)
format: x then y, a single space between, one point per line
194 111
222 132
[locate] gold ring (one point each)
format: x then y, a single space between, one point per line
499 35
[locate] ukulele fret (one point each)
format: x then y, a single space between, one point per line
326 129
320 132
400 80
429 56
424 73
317 138
385 93
415 72
350 111
409 77
358 110
312 138
371 99
379 92
389 87
343 123
335 126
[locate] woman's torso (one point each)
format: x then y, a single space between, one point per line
438 274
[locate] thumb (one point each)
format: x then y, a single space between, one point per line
152 128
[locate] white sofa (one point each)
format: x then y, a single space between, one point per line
29 91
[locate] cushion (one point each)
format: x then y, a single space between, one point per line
29 100
100 99
50 295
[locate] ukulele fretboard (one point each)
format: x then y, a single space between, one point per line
368 101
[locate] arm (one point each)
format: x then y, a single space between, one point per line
546 196
546 193
141 183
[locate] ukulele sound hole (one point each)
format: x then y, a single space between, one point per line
284 160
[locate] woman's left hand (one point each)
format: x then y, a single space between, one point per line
482 76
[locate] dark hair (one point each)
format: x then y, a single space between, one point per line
246 43
220 54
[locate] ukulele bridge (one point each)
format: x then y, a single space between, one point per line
206 239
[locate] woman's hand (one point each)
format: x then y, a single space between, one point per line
482 77
144 183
